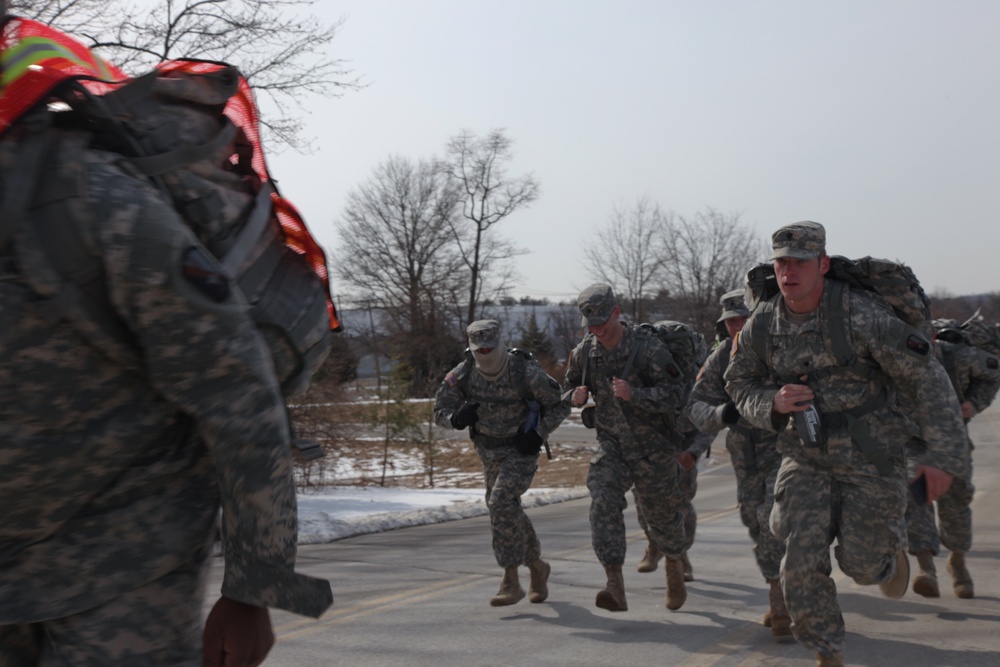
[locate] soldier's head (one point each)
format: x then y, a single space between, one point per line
734 312
800 262
486 345
601 314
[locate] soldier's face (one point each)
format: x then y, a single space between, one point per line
801 280
734 325
610 333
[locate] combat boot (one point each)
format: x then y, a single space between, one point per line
926 583
510 589
777 617
896 587
538 591
688 570
835 660
612 597
676 591
650 559
961 579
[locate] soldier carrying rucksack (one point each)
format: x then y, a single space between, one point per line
138 367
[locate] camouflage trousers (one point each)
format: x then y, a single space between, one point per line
814 504
954 520
157 625
508 475
689 487
657 484
755 498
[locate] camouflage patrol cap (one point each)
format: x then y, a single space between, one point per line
484 334
733 305
801 240
596 304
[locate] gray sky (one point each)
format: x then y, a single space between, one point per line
877 118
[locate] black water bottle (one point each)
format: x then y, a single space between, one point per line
808 426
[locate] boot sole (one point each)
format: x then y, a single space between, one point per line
506 601
647 568
926 587
896 587
607 601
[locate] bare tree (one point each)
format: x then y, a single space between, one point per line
281 50
477 167
629 254
705 257
397 249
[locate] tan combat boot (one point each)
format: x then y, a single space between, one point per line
650 559
688 570
538 591
676 591
612 597
896 587
777 617
510 589
961 579
926 583
835 660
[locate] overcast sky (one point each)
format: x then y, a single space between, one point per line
877 118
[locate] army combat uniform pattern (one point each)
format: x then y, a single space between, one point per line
112 476
975 376
834 490
507 473
753 453
638 441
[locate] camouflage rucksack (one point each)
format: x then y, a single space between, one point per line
980 333
688 349
191 128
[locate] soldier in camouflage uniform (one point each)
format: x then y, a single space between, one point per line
847 481
975 375
753 453
510 406
638 440
113 474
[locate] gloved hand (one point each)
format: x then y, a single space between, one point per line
528 444
236 634
730 415
467 415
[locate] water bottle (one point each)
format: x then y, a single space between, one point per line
809 427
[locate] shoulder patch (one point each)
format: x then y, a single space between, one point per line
917 344
450 379
701 372
736 345
555 385
205 274
993 363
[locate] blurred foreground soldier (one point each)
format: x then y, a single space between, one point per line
510 406
975 375
637 393
754 455
841 431
116 450
695 446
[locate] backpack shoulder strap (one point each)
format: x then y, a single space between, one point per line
521 358
465 373
761 329
642 335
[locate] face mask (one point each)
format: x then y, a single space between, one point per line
492 363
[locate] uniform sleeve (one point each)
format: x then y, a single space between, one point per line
667 391
748 383
709 394
449 397
984 379
546 391
201 351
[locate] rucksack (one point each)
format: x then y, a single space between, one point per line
191 127
980 333
974 332
688 349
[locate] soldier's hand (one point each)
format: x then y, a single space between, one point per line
686 460
467 415
621 389
729 414
792 398
580 396
968 412
236 635
937 480
528 444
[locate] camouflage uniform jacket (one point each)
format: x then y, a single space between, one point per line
709 397
974 373
112 477
648 422
902 371
502 409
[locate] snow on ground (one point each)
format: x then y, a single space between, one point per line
343 511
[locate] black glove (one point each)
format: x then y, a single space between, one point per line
467 415
528 444
730 415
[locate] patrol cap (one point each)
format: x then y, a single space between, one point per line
802 240
733 305
596 303
483 334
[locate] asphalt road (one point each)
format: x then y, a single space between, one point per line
420 597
